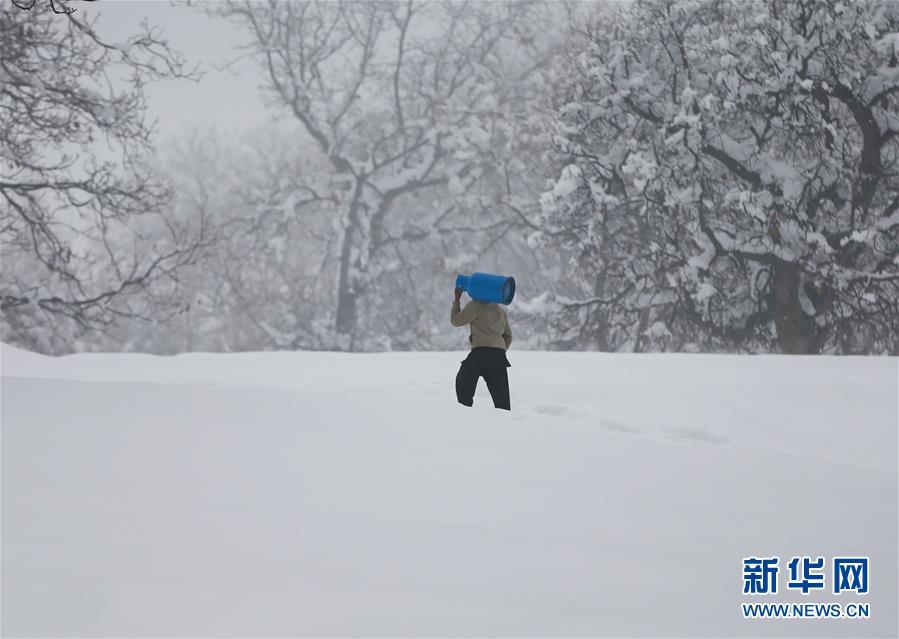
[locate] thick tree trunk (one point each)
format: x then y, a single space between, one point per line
346 303
640 339
797 332
347 292
347 279
601 333
360 241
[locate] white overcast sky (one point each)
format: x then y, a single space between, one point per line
227 99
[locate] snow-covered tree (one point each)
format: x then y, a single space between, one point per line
417 114
262 287
731 177
83 228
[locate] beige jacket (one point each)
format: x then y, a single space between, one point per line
489 323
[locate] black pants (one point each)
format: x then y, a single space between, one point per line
489 363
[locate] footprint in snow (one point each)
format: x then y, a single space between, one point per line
618 427
697 434
550 410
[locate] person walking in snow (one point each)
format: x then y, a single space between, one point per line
490 338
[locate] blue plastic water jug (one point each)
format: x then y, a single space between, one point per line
487 287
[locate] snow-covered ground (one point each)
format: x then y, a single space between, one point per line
348 494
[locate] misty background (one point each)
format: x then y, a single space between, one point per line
658 176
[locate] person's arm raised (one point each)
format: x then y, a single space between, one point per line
462 316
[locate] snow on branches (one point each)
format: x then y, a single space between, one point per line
84 234
735 168
403 102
